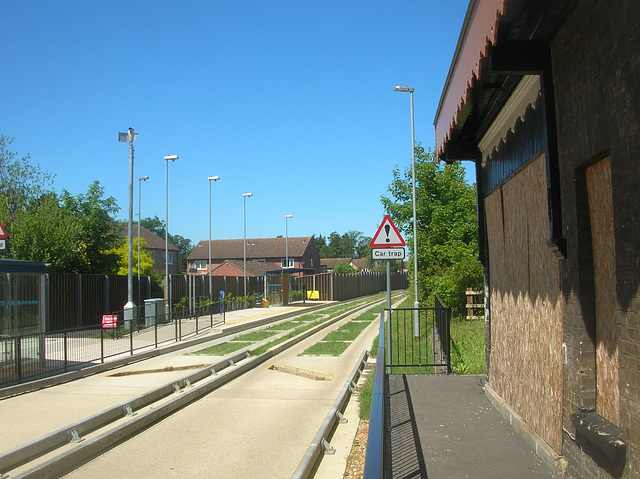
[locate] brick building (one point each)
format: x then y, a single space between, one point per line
262 254
544 97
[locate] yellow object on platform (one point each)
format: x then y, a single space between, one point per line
265 303
313 295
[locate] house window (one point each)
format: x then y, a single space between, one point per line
311 259
153 256
200 264
169 258
283 263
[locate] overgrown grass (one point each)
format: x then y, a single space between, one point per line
366 394
467 347
256 336
336 342
222 349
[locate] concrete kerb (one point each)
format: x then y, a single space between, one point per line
313 454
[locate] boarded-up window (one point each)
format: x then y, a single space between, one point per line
600 197
526 324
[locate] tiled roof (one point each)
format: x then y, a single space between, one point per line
153 241
257 248
331 263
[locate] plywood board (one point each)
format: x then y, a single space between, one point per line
600 197
526 324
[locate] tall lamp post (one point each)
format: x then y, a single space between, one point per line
286 244
129 137
416 305
140 180
210 178
244 243
167 278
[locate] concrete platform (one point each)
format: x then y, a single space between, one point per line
445 427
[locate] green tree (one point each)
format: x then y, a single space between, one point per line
122 253
446 224
157 227
343 268
45 232
20 184
100 230
352 244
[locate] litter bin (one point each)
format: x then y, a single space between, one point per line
153 311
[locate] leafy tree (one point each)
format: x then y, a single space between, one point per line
157 227
351 244
100 230
122 253
381 266
20 184
319 241
344 268
446 224
45 232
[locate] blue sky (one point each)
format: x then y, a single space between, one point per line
290 100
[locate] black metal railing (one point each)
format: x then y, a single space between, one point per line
410 340
32 356
418 340
374 466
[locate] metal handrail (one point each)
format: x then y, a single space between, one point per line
374 461
314 452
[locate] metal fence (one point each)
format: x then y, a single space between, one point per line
408 342
340 287
30 356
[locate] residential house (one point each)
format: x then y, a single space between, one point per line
543 95
155 245
329 263
266 254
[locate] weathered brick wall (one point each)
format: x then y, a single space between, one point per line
596 62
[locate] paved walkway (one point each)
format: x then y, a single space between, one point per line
445 427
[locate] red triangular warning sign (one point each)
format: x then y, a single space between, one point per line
3 232
387 235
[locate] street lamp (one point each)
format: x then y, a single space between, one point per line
210 178
167 279
416 305
286 229
140 180
129 137
244 244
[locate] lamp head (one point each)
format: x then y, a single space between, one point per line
213 178
143 178
404 89
171 157
247 194
288 216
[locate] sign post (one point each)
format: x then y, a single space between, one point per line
387 244
3 235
